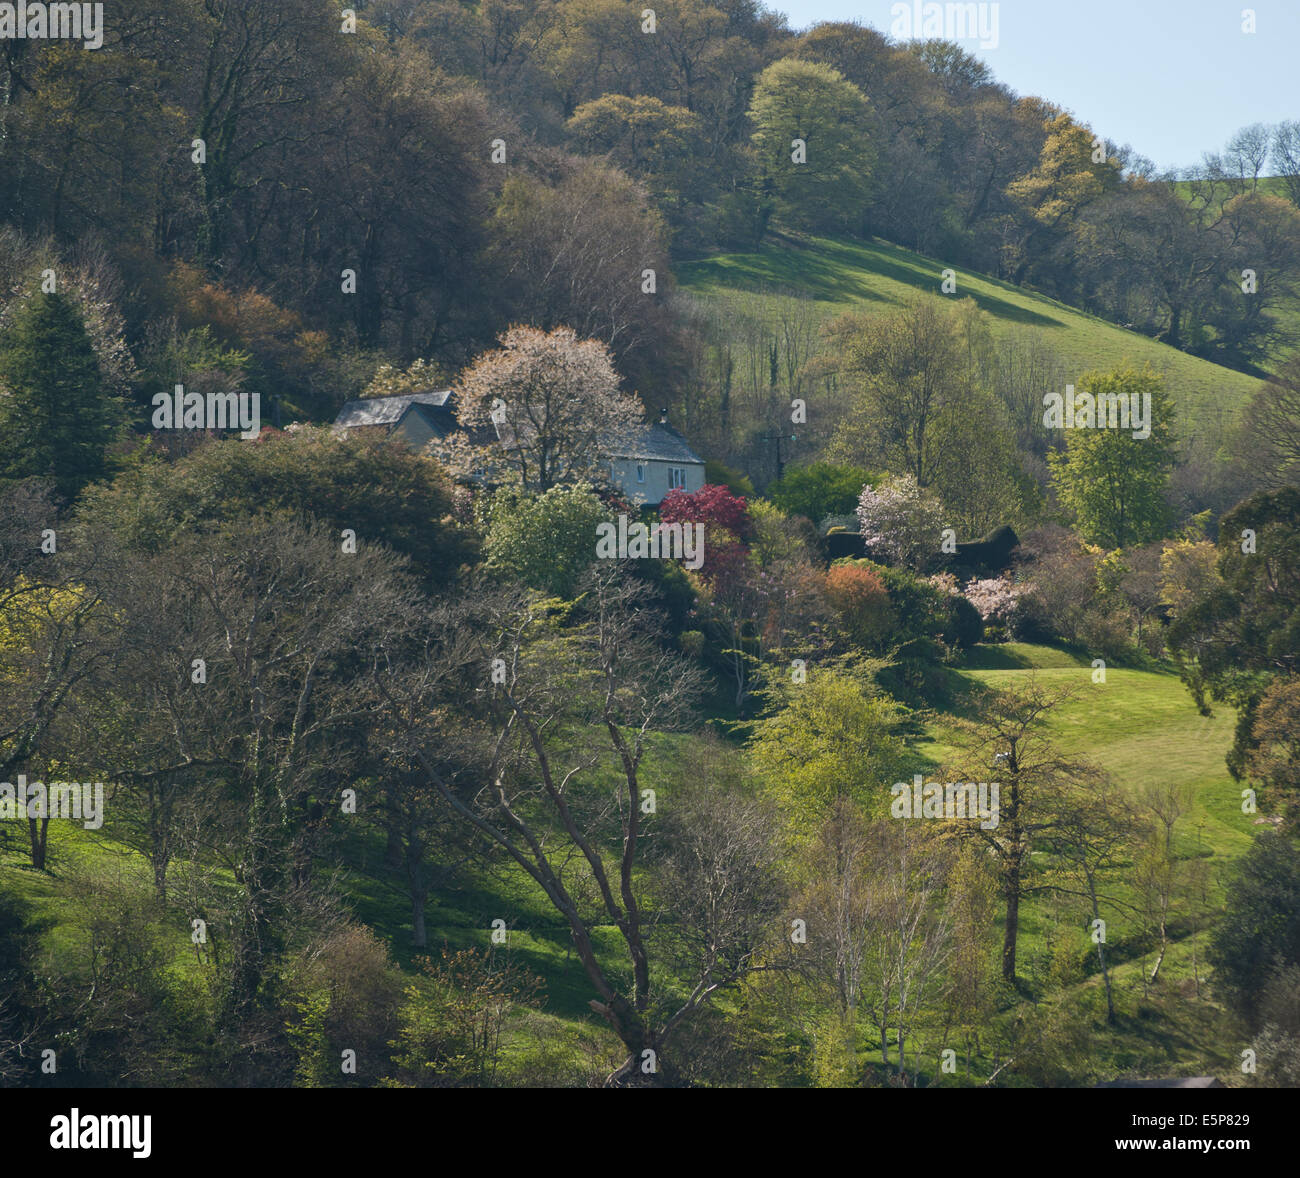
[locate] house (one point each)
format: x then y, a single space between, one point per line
654 460
413 418
647 464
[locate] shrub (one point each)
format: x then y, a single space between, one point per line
861 600
725 476
711 504
820 490
1260 930
965 624
921 609
902 521
776 536
545 541
996 599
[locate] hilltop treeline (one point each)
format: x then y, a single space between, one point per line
310 188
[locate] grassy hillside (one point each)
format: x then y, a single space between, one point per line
1139 725
1142 728
842 275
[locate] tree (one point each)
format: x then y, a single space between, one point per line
1268 440
1094 828
546 541
253 64
833 737
1285 157
78 148
572 248
880 924
711 504
56 419
250 651
1150 257
374 488
1009 742
1112 482
450 1031
820 489
1048 198
727 527
20 937
913 378
56 637
406 207
646 137
1278 1041
1247 153
1157 874
859 596
555 403
1248 328
427 844
1232 642
912 928
903 521
1274 755
1187 573
822 186
550 755
1260 929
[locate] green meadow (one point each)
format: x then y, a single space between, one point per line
844 275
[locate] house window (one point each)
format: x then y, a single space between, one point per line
640 472
677 478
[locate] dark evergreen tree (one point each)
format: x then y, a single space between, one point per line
56 417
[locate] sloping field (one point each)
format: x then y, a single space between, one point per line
843 275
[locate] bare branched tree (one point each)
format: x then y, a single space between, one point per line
535 727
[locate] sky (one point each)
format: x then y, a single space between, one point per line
1172 78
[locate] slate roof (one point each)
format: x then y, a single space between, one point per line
656 443
387 410
652 442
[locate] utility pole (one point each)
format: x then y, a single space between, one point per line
778 439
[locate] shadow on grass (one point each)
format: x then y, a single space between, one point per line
994 658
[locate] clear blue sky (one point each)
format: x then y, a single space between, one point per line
1173 78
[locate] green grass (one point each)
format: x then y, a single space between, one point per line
845 275
1140 725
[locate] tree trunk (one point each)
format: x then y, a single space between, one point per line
1012 930
1105 978
38 830
160 821
1174 336
1160 957
419 935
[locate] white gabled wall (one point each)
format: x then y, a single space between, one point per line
657 484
